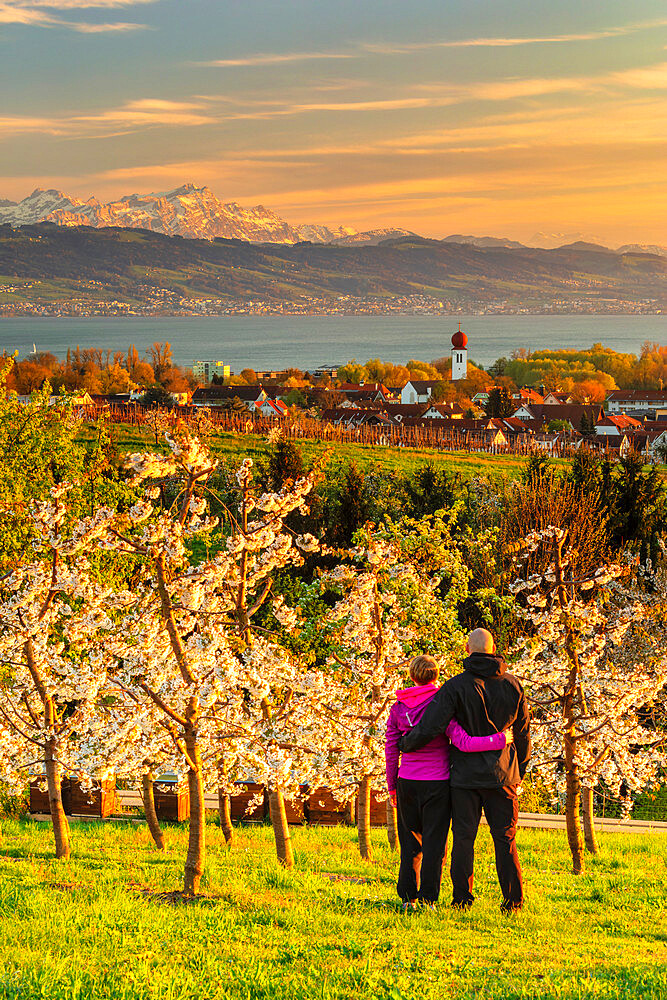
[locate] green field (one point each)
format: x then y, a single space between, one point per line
97 926
129 438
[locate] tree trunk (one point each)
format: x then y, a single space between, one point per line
149 810
573 784
280 828
572 805
364 818
58 817
51 765
589 820
225 815
392 826
194 862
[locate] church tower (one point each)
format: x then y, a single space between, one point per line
459 355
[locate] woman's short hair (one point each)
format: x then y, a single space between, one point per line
423 669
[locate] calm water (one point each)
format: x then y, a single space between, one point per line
308 341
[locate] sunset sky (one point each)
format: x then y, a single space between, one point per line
492 117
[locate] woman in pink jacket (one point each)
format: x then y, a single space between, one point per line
419 785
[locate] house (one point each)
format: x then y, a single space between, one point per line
365 390
556 398
444 411
329 371
272 408
527 395
220 395
399 412
513 426
337 414
356 417
631 400
657 444
647 443
418 390
578 416
548 442
78 398
484 431
482 398
616 426
641 442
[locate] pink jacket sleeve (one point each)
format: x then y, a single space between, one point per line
472 744
391 751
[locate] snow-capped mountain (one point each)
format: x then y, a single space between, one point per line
553 241
36 207
197 213
189 211
322 234
483 241
371 238
643 248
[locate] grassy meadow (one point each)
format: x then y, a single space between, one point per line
128 438
105 924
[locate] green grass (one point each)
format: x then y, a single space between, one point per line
91 928
469 464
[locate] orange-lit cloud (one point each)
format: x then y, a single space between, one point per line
478 129
36 13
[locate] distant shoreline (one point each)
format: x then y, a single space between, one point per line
277 342
39 313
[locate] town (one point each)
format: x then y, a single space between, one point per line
155 301
552 401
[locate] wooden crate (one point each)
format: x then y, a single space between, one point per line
172 800
324 810
245 791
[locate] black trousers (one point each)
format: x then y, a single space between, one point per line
424 814
501 809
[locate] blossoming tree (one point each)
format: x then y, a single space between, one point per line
186 651
594 653
389 607
54 622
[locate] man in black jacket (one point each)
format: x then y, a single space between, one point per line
484 699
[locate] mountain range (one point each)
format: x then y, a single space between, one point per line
197 213
53 264
190 211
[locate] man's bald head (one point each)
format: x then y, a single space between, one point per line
480 641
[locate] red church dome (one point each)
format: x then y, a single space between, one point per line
459 340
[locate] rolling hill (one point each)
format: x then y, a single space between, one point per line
48 263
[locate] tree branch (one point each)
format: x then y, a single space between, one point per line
179 719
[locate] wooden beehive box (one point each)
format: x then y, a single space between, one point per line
244 792
323 809
172 799
100 800
39 800
296 810
378 810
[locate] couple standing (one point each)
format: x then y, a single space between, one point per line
483 712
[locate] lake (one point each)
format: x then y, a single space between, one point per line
266 342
